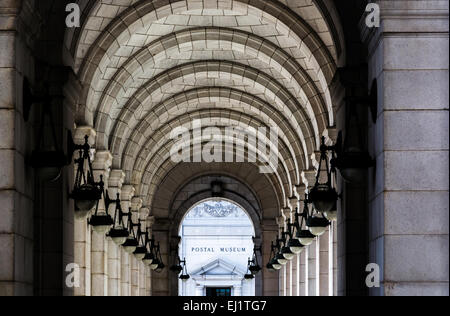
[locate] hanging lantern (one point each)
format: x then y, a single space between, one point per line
323 196
332 215
316 223
294 244
149 256
253 265
141 249
304 236
48 159
86 192
273 264
286 251
119 233
352 159
102 222
157 264
181 268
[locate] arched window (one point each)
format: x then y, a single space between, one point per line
217 242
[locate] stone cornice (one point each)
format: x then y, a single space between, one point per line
406 17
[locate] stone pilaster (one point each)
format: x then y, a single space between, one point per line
116 179
125 269
143 269
99 248
312 253
269 233
83 231
136 204
409 199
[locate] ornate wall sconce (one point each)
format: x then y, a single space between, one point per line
47 159
253 265
180 267
273 264
315 221
101 221
323 196
86 192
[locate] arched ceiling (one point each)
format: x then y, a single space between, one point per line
149 67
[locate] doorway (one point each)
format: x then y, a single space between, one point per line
218 292
217 243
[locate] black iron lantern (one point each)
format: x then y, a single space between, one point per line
48 159
294 244
180 267
86 192
304 236
352 159
119 233
249 276
253 264
279 257
157 264
102 222
132 243
141 249
286 251
316 223
323 196
150 245
273 264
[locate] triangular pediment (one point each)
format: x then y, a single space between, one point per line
219 267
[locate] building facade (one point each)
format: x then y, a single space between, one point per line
130 74
217 243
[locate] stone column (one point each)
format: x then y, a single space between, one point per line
199 290
82 230
269 230
303 257
287 214
148 275
125 269
237 290
99 248
16 180
324 264
143 215
409 208
116 179
283 277
294 279
136 204
312 261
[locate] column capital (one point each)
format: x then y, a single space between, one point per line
286 213
116 178
143 213
293 201
300 190
82 131
309 178
281 221
331 135
315 159
136 204
102 161
150 221
127 192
